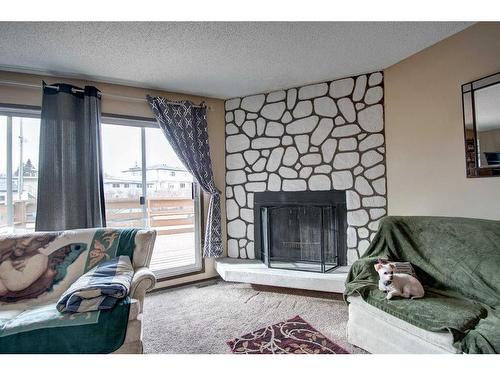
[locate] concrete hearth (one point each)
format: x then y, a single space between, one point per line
255 272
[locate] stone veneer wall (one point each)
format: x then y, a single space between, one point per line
318 137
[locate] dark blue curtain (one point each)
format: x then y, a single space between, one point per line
70 184
185 127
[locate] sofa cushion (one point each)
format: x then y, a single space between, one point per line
435 312
45 330
378 332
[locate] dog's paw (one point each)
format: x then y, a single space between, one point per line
389 296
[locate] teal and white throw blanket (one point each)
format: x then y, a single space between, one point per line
36 269
100 288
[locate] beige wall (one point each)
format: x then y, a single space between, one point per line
215 119
424 128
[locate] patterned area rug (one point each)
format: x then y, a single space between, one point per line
294 336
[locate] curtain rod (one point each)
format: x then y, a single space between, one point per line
129 98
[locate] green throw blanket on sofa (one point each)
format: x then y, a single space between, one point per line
457 260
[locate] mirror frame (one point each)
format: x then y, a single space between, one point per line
472 167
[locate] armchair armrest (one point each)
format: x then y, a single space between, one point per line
142 281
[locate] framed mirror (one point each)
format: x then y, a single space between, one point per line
481 111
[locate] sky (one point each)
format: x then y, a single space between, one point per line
121 146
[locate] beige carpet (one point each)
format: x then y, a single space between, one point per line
196 319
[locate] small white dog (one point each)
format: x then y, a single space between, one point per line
397 284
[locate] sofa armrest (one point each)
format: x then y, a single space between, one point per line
142 281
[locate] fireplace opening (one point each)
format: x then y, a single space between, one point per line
303 231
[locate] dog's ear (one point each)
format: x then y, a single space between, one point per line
392 265
378 266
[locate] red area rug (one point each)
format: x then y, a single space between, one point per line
294 336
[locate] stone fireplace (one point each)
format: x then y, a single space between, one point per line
304 231
316 138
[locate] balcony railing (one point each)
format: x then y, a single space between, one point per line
172 218
23 215
166 215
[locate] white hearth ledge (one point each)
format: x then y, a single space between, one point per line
255 272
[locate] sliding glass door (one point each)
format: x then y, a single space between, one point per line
173 205
146 185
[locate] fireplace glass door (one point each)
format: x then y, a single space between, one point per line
300 237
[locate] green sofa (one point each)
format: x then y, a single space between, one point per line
458 262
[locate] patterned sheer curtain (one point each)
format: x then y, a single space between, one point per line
185 127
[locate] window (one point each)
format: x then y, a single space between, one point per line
143 171
19 138
173 212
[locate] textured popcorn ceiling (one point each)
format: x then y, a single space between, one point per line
221 60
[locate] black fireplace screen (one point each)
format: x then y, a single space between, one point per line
302 236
